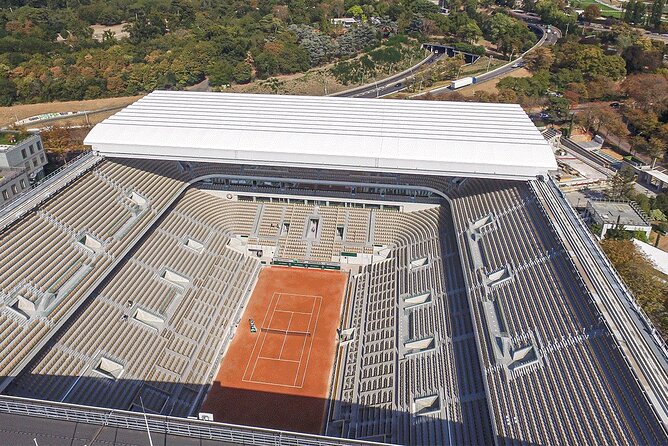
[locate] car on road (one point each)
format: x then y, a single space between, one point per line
399 84
615 104
517 65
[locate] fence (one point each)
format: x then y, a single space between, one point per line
47 186
167 425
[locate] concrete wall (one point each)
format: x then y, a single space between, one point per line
26 154
10 188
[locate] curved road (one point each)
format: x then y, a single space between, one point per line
388 85
547 38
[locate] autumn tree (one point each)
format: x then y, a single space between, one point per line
541 58
602 119
592 12
656 150
640 276
649 92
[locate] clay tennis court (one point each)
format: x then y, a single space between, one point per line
279 376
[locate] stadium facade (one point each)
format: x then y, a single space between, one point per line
479 308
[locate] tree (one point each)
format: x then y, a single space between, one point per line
620 185
640 276
649 92
469 31
634 12
541 58
220 73
657 12
7 91
357 12
509 34
657 149
592 12
242 73
591 61
638 59
558 109
144 28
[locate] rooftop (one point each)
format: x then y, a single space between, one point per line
424 137
10 138
627 212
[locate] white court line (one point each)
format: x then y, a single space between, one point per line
276 359
317 299
301 354
275 384
250 358
285 336
290 311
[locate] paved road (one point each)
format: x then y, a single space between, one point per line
545 40
389 85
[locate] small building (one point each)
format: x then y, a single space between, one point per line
21 150
609 214
13 182
655 179
346 22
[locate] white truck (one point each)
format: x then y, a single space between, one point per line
463 82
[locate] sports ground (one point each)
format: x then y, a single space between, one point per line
279 375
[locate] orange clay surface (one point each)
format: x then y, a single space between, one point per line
279 376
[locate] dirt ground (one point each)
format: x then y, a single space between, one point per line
611 153
663 242
9 115
98 31
490 86
312 83
279 376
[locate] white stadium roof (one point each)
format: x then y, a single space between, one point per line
423 137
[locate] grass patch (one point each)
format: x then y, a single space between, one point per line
606 11
5 137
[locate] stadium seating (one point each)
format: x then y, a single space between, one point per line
409 311
545 304
49 266
460 333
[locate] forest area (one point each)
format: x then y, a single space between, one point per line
48 51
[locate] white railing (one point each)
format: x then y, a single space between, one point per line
168 425
56 179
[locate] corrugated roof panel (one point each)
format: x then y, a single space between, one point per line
436 138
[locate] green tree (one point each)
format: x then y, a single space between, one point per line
558 109
621 184
657 12
7 91
591 61
220 73
509 34
242 73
